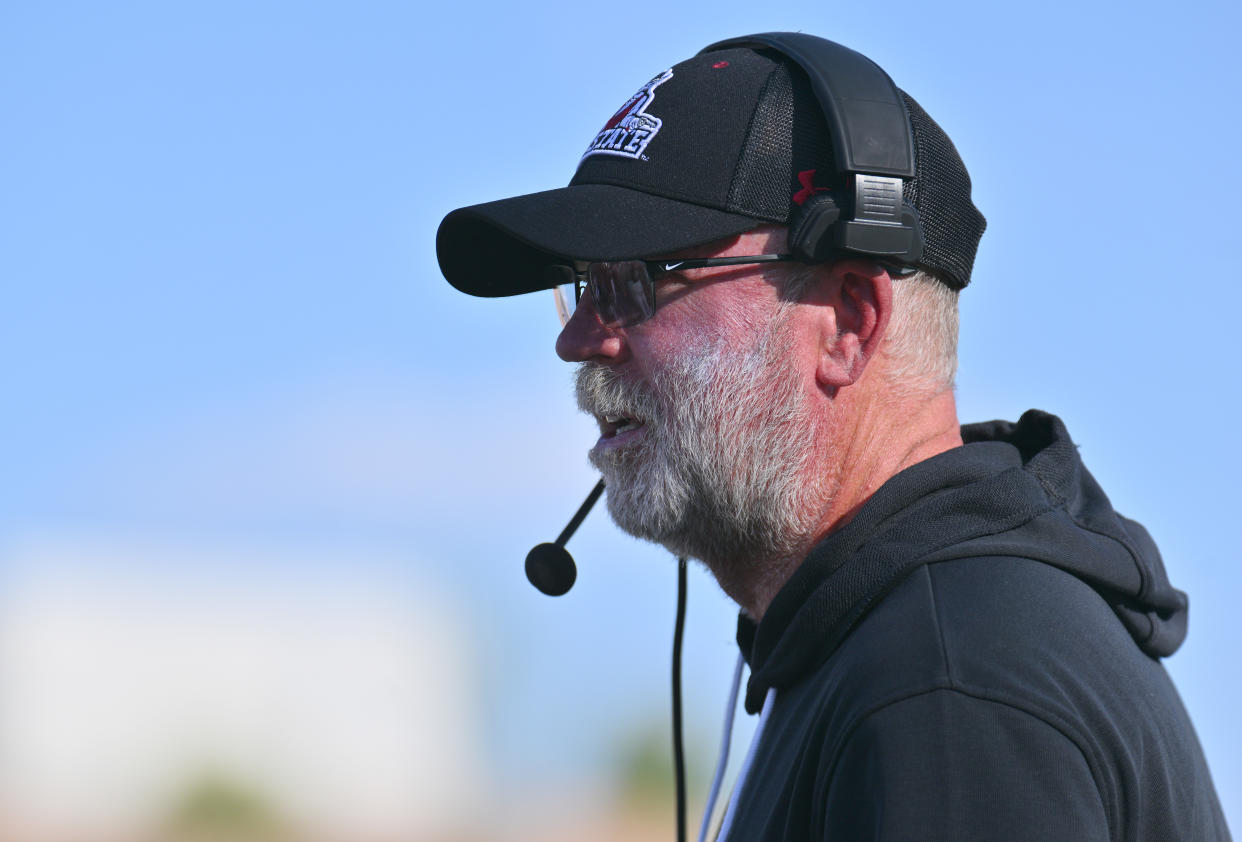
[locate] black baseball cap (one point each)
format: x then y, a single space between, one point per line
714 146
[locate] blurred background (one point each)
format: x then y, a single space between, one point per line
269 481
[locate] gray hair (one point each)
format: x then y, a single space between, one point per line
921 345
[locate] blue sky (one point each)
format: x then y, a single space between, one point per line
223 319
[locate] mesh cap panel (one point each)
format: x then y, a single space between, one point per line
788 135
940 192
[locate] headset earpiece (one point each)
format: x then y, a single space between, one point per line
817 233
810 230
881 225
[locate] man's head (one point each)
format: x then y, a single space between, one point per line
728 418
741 407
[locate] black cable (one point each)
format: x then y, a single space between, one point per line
581 514
679 760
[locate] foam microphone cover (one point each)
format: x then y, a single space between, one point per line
551 569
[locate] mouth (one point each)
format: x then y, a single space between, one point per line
618 427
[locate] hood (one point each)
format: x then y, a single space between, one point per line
1012 489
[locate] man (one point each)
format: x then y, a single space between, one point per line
951 633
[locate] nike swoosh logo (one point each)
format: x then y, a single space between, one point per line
669 267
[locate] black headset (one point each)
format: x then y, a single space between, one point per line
873 146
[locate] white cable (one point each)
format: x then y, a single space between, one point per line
768 703
723 761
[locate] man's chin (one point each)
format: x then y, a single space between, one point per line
641 501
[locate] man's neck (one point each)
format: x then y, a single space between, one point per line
871 446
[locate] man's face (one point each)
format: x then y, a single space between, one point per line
706 424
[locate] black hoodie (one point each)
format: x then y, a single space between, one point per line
974 657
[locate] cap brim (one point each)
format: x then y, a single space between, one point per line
501 248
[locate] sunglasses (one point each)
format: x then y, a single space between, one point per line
623 291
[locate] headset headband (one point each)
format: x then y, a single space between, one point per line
872 143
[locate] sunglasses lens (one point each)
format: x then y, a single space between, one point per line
622 292
564 288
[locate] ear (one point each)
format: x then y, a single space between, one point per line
856 297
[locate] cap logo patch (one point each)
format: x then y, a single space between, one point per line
629 131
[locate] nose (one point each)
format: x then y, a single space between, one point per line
586 337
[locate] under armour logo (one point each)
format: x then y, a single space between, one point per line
806 178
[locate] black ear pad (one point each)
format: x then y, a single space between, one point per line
899 242
810 230
815 235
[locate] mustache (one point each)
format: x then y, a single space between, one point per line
601 390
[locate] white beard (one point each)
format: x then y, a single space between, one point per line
721 471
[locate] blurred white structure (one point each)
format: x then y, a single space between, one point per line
346 704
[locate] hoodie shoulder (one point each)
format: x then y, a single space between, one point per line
1009 664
